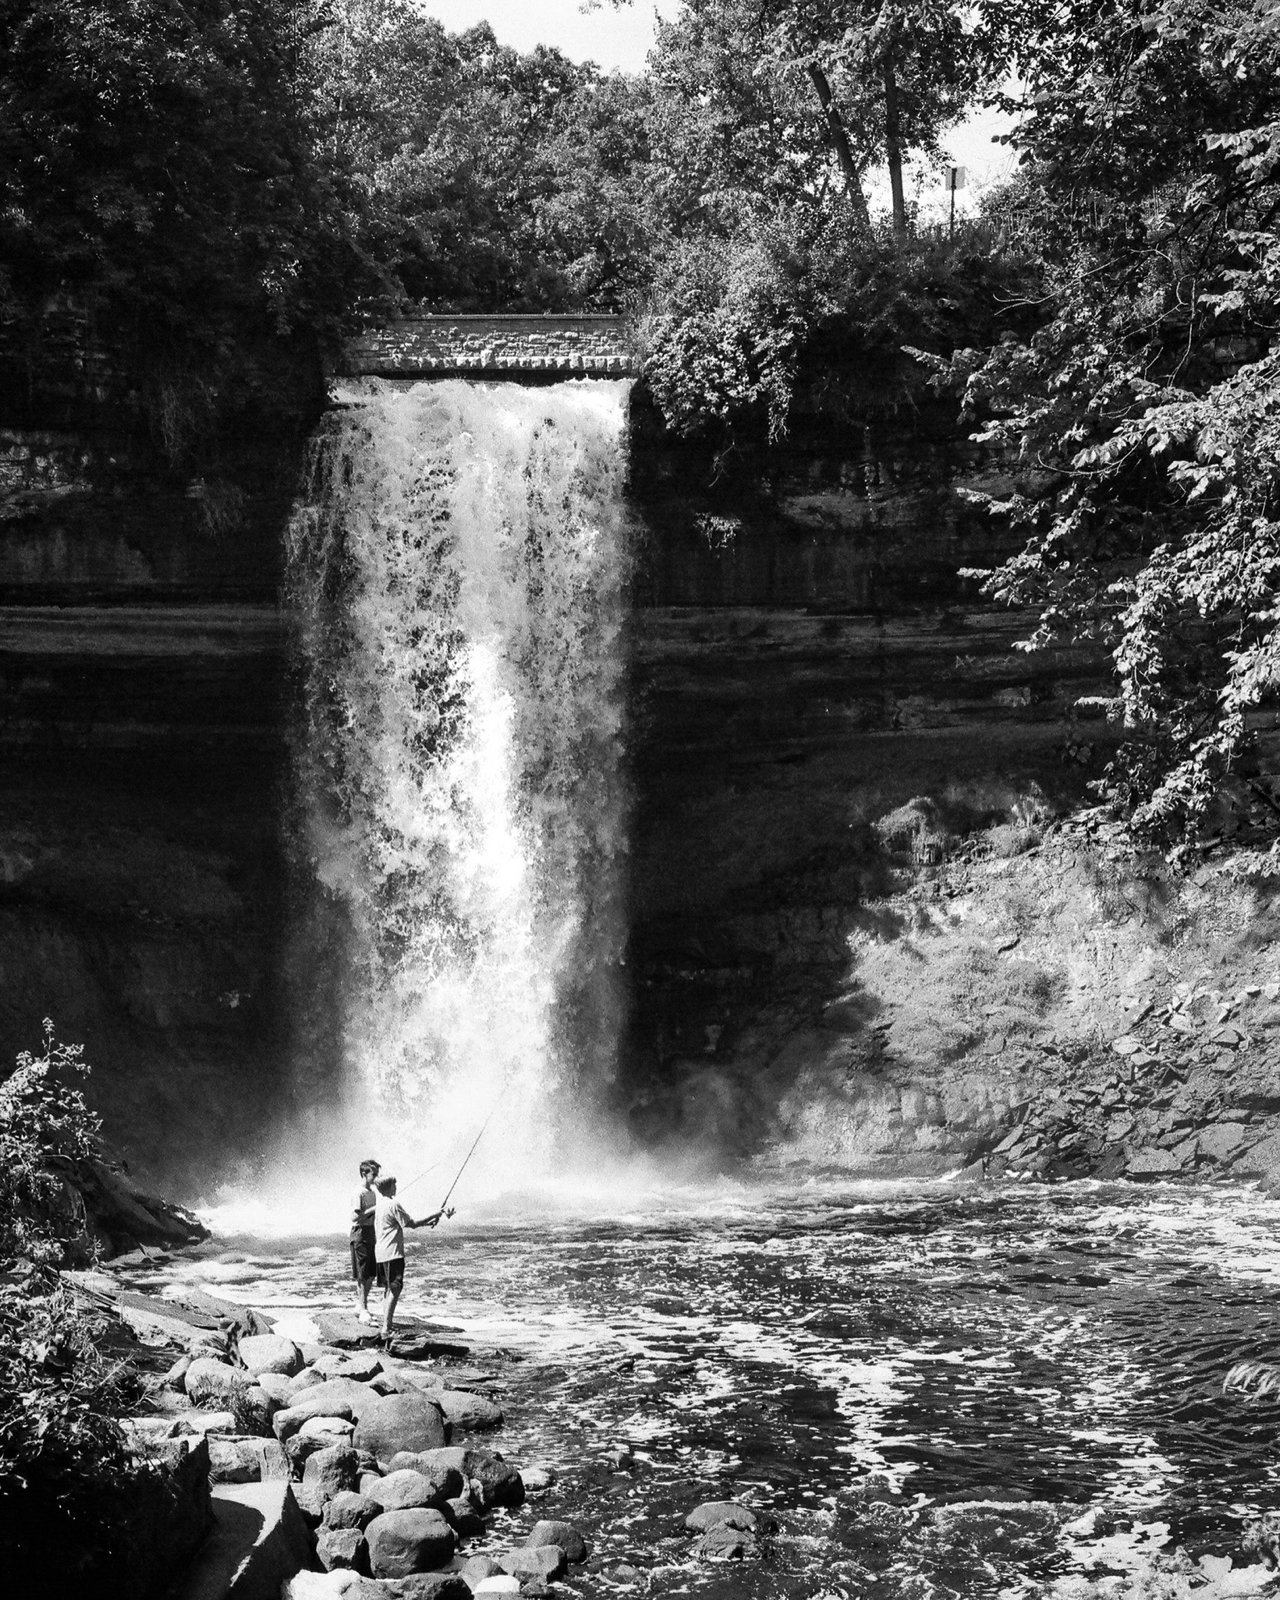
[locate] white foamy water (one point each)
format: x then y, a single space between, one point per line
457 578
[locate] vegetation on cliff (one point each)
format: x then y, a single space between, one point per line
1145 407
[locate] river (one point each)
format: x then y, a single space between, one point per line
867 1363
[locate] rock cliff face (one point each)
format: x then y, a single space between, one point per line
805 661
142 758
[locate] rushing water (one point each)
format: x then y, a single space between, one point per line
1046 1350
456 576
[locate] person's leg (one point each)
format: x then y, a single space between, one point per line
357 1274
363 1269
392 1282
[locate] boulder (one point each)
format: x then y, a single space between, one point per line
401 1542
1223 1140
475 1568
722 1514
450 1456
1152 1164
210 1380
267 1352
340 1584
308 1378
470 1413
500 1583
175 1377
396 1422
447 1481
168 1516
494 1482
300 1447
333 1470
464 1517
342 1547
245 1460
311 1500
334 1397
432 1586
350 1509
545 1562
259 1541
331 1429
563 1534
362 1365
209 1422
276 1388
403 1490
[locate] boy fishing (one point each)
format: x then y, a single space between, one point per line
390 1219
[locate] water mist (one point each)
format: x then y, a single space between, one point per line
456 576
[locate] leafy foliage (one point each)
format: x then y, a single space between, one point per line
739 330
1145 409
160 172
493 180
45 1129
61 1451
62 1455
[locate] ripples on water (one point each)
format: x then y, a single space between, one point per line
1062 1346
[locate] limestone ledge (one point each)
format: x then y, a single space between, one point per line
474 344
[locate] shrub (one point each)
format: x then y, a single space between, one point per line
62 1454
46 1129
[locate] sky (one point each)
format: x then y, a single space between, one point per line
620 37
617 37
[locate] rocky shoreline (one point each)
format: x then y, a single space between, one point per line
305 1468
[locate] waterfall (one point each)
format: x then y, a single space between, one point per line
456 576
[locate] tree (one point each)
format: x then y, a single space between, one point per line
776 98
1146 408
159 174
495 180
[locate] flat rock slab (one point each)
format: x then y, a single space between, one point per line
414 1341
259 1541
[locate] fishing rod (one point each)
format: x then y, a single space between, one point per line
493 1109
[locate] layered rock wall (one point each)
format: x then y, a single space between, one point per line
804 659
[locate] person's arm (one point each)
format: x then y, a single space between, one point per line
427 1222
359 1215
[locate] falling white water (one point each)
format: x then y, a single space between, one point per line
457 577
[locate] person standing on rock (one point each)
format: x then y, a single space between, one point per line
390 1219
363 1263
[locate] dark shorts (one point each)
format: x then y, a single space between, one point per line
362 1263
391 1275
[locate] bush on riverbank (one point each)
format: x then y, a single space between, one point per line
46 1130
62 1454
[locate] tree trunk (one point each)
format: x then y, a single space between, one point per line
840 143
893 149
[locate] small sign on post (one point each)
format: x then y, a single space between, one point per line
955 180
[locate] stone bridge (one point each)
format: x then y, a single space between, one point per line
524 348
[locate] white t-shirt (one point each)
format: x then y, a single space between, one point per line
389 1219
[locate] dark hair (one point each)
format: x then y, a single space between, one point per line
370 1169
